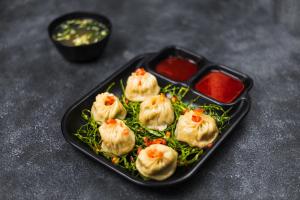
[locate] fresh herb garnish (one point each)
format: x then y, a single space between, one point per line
187 155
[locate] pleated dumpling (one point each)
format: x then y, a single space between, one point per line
156 112
196 128
157 162
116 137
140 85
107 106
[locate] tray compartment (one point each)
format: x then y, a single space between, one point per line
152 62
246 80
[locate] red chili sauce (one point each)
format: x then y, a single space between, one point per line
220 86
176 68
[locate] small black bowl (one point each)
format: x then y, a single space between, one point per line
84 52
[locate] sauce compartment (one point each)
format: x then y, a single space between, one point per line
221 84
176 64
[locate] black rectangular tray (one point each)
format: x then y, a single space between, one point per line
72 120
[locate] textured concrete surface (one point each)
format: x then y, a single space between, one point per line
260 160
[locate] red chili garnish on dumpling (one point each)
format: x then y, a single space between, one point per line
148 142
109 100
159 141
154 153
140 71
111 121
196 118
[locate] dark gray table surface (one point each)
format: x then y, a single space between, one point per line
260 160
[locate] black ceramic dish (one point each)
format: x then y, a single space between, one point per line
72 119
84 52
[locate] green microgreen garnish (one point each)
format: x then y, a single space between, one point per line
187 155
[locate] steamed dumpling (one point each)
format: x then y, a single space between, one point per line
156 112
196 128
116 137
107 106
140 85
157 162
